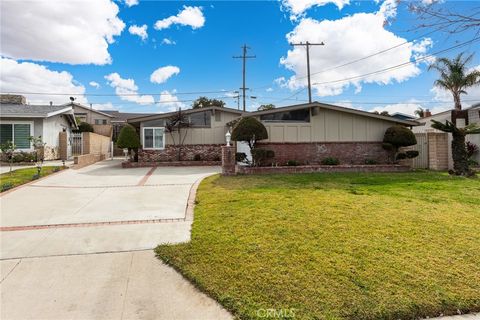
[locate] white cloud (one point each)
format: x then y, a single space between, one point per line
131 3
75 32
348 39
298 7
32 77
170 102
140 31
168 41
409 107
104 106
94 84
189 16
127 90
269 89
162 74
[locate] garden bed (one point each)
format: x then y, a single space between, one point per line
128 164
323 168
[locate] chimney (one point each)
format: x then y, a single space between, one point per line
12 99
427 113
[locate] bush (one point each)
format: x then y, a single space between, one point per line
128 138
85 127
292 163
24 157
371 161
330 161
249 130
412 154
401 156
259 156
396 137
197 157
6 186
240 157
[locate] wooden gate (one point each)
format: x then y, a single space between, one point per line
421 162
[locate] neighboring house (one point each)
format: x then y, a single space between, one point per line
119 119
20 121
307 133
403 116
467 116
90 115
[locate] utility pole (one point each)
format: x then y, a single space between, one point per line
244 57
238 99
307 46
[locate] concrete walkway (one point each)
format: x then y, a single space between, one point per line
78 245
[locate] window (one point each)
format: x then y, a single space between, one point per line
19 133
153 138
200 119
302 115
100 121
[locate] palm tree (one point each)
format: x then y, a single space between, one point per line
419 112
455 77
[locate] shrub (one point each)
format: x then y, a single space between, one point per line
6 186
412 154
292 163
371 161
85 127
249 130
472 149
259 156
24 157
396 137
36 176
330 161
401 156
241 156
197 157
128 138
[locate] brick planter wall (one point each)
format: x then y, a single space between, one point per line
315 152
127 164
320 168
207 152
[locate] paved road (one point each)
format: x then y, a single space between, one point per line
78 245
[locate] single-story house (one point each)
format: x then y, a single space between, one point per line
119 119
20 121
307 133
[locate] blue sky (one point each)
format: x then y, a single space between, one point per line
203 54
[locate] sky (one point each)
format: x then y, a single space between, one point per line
157 56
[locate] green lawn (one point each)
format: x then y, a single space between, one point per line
22 176
336 246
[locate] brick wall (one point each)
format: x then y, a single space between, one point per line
315 152
207 152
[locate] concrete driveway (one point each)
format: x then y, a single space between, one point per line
78 245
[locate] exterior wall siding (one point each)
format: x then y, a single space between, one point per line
207 152
315 152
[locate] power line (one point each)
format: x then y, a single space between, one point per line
399 65
114 94
244 58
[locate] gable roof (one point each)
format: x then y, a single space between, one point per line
186 111
316 104
124 116
78 105
32 111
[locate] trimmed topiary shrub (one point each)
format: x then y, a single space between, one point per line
260 156
412 154
396 137
330 161
249 130
129 139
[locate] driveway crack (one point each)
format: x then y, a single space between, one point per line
14 267
126 287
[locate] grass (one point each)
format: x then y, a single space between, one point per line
336 246
18 177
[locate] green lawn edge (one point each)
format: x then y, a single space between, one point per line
172 256
25 175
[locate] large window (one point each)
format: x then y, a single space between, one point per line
19 133
153 138
302 115
200 119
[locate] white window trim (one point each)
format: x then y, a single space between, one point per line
13 122
143 138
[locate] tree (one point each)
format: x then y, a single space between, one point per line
455 77
129 139
459 149
204 102
178 123
39 147
8 148
396 137
85 127
264 107
250 130
383 113
419 112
